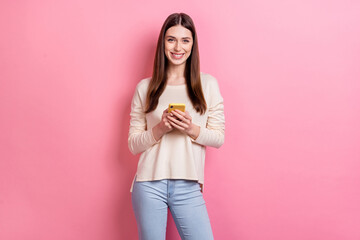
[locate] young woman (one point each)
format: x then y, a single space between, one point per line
170 171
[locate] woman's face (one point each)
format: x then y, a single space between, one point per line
178 44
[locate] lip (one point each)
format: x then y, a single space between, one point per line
175 57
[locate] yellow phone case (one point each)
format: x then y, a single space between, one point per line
173 106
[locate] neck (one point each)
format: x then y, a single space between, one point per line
175 72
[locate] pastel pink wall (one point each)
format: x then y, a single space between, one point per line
289 73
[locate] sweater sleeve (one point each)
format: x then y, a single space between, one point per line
140 138
213 134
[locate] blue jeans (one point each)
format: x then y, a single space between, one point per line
151 200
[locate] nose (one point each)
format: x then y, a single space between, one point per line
177 46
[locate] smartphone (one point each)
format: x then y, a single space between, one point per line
179 106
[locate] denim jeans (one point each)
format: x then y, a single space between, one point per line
151 200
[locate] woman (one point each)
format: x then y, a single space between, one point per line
170 171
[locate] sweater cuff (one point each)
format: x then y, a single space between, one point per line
200 138
153 140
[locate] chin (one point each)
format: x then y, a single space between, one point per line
177 63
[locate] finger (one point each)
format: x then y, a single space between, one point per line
180 116
168 125
177 122
187 115
184 120
180 112
176 126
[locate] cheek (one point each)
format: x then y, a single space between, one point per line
167 47
188 49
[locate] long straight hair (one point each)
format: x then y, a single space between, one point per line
192 69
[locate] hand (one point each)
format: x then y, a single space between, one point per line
162 127
183 122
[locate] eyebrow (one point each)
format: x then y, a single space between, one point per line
182 38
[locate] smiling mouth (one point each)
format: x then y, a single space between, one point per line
177 56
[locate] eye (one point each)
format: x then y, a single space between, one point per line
187 41
170 40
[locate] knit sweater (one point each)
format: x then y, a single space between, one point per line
175 155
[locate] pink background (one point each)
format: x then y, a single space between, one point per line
289 73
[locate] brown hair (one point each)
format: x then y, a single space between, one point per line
192 69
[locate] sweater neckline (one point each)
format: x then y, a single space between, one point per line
174 86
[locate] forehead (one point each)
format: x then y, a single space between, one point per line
178 31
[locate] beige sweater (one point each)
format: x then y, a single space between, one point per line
175 155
